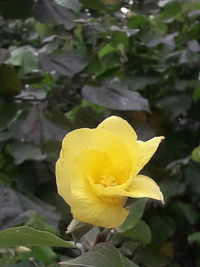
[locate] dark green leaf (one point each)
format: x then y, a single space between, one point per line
98 4
9 81
195 237
136 212
153 257
25 263
35 127
140 233
47 11
113 97
16 9
8 110
171 187
22 152
162 228
26 236
103 254
175 105
67 64
44 254
196 94
16 209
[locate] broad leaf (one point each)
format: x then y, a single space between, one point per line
140 233
22 152
97 4
67 64
16 9
103 254
15 209
25 263
23 58
26 236
175 105
136 212
113 97
9 81
35 127
47 11
162 228
8 110
71 4
195 237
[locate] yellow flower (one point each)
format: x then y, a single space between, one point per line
98 169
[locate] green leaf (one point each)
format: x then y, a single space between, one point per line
26 236
153 257
170 12
25 263
35 127
17 209
196 94
161 228
114 97
184 215
108 48
136 211
25 59
48 12
44 254
71 4
97 4
172 187
103 254
25 151
195 237
175 105
67 64
140 233
9 81
16 9
196 154
8 110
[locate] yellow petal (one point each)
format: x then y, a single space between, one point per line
143 186
122 129
65 172
93 150
87 207
88 152
146 151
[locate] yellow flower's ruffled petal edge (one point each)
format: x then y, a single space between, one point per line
143 186
146 151
87 207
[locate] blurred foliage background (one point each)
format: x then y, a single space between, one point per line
66 64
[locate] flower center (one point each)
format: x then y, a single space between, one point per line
108 180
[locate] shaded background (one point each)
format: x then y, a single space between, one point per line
66 64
